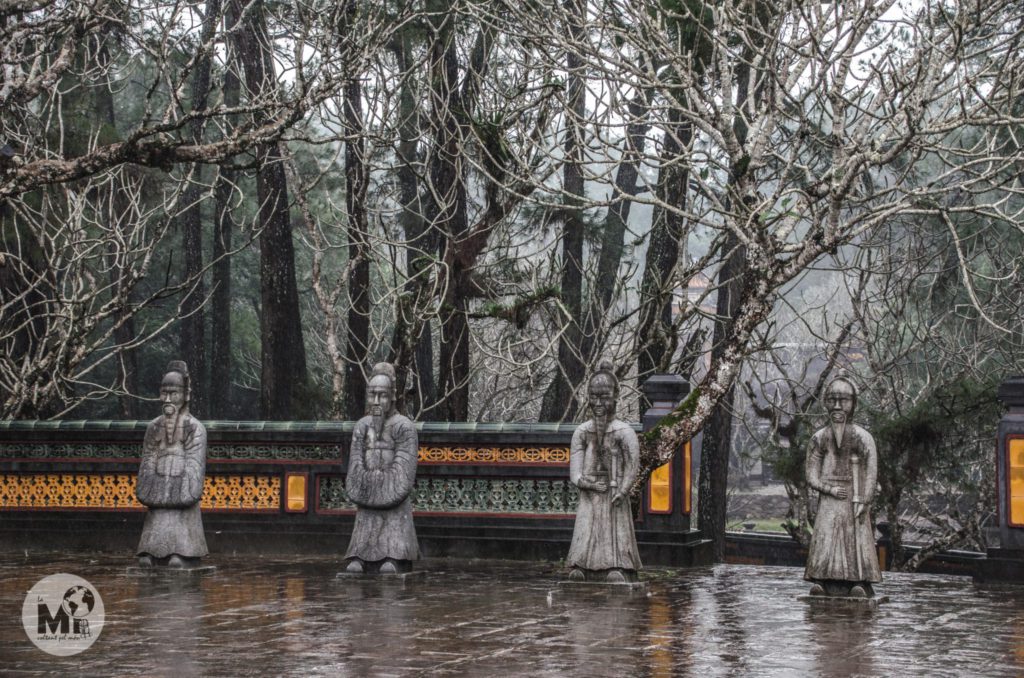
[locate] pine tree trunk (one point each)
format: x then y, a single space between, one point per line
412 343
220 326
447 212
124 334
559 401
614 230
655 340
193 321
717 445
358 326
283 377
716 448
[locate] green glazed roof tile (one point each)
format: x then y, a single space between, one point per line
291 426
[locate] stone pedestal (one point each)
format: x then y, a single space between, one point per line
170 572
379 576
597 585
844 601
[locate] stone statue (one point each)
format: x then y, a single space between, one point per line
603 463
170 479
842 465
381 475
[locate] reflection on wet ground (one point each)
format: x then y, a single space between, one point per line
276 616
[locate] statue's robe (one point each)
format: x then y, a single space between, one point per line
839 540
379 482
603 536
170 483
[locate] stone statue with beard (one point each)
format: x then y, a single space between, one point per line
381 475
603 463
842 465
170 479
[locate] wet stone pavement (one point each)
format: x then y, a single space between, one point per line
275 616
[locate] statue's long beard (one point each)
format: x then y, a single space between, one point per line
838 430
171 423
600 427
378 424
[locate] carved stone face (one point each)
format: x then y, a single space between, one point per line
601 397
379 398
172 394
839 401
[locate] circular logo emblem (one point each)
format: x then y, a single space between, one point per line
63 614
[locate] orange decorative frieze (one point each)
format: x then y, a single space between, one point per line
117 491
494 455
68 490
244 493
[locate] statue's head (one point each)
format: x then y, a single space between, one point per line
380 391
841 399
603 391
175 389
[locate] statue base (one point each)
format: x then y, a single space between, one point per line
162 571
844 601
618 585
379 576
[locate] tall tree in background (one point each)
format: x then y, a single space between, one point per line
716 450
221 363
283 377
358 326
607 282
656 341
446 192
118 208
193 322
560 398
480 165
412 348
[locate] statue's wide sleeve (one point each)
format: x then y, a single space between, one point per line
812 466
630 446
577 449
389 485
355 478
402 471
195 465
146 490
870 469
